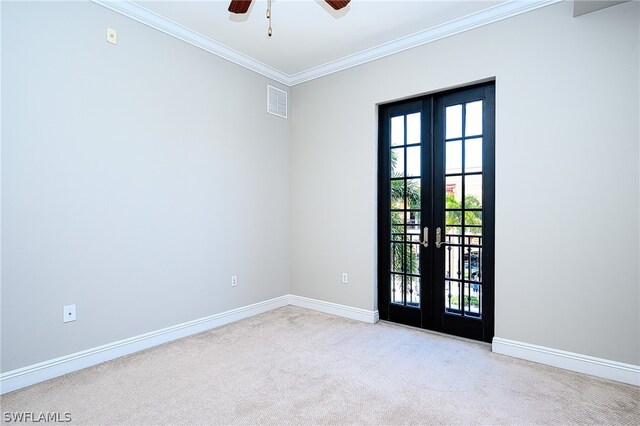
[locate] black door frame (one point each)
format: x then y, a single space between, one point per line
432 315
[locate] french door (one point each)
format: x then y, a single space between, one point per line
436 212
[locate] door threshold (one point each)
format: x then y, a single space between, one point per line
438 333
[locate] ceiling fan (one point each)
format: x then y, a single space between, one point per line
241 6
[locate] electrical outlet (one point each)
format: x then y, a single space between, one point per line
345 278
69 313
112 36
234 280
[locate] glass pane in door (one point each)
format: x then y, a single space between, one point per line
406 234
463 209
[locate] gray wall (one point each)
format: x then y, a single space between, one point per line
136 179
567 138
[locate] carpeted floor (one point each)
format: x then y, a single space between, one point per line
296 366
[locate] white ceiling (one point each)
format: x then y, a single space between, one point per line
309 33
310 39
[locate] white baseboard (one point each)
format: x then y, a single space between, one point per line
613 370
29 375
32 374
335 309
46 370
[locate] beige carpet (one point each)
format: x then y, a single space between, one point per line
295 366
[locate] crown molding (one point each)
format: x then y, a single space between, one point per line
466 23
484 17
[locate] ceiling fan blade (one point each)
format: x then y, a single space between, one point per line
239 6
337 4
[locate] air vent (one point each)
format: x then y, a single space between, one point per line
276 102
